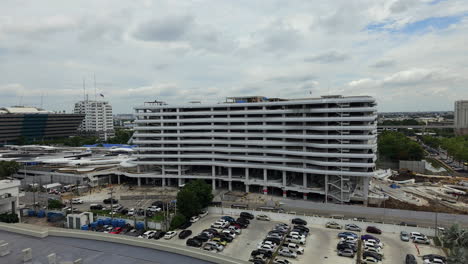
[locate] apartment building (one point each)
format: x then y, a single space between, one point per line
461 117
98 119
315 148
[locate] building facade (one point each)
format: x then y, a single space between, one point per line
34 125
461 117
319 148
98 119
9 196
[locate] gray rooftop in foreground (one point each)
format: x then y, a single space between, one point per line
91 251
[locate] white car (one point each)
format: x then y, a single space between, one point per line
373 249
379 244
370 260
296 240
219 225
238 231
353 227
170 234
286 252
154 209
416 234
349 239
203 213
148 234
76 201
421 240
229 232
434 261
218 247
295 248
263 217
267 247
194 219
131 212
294 233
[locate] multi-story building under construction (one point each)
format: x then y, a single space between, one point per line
317 148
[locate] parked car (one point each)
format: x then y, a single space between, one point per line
373 230
194 219
203 213
410 259
333 225
372 254
170 234
76 201
344 245
421 240
416 234
159 235
95 207
263 217
353 227
116 230
347 252
185 225
224 237
367 237
202 238
228 218
184 234
220 225
192 242
296 239
299 221
434 256
148 234
243 220
281 261
404 236
247 215
368 260
110 201
267 247
295 248
286 252
347 234
219 241
154 209
215 245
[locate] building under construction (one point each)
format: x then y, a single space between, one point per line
315 148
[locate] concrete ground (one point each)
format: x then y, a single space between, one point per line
320 245
70 249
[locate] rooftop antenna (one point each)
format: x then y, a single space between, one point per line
84 89
42 95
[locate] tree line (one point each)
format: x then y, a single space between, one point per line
396 146
7 168
456 147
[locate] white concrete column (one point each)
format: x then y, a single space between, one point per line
213 184
230 173
138 168
110 179
139 181
230 185
118 179
326 188
180 181
247 188
213 171
163 180
284 179
304 180
265 177
246 174
265 190
365 191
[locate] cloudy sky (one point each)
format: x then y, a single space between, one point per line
412 55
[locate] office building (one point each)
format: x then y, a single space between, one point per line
98 119
315 148
9 196
461 117
31 124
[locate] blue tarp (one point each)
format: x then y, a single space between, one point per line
110 146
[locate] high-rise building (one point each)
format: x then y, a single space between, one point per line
324 148
461 117
31 124
98 119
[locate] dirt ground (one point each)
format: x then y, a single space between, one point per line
434 207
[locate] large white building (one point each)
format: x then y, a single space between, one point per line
9 196
461 117
98 119
322 148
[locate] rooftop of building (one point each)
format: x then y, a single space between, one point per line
23 110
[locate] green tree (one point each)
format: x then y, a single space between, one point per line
456 239
188 203
122 136
7 168
202 190
55 204
396 146
178 220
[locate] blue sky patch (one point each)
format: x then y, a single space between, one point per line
422 26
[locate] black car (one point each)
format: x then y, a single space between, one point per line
344 245
299 221
96 207
185 225
159 234
159 204
301 227
192 242
375 255
275 240
433 256
373 230
242 220
202 238
211 230
257 252
410 259
247 215
109 201
224 237
184 234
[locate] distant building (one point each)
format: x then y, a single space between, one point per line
124 121
98 119
9 196
34 124
461 117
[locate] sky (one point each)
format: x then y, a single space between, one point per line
411 55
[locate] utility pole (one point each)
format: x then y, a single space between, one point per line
112 202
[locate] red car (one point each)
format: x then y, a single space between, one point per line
373 229
116 230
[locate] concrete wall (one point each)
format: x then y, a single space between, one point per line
42 232
323 220
416 166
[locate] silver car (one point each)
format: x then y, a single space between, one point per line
347 252
404 236
353 227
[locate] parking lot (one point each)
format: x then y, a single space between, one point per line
320 244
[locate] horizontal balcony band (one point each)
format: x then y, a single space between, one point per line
259 127
260 112
259 150
256 143
317 101
259 119
260 159
258 166
269 135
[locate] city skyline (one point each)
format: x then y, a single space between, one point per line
409 55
